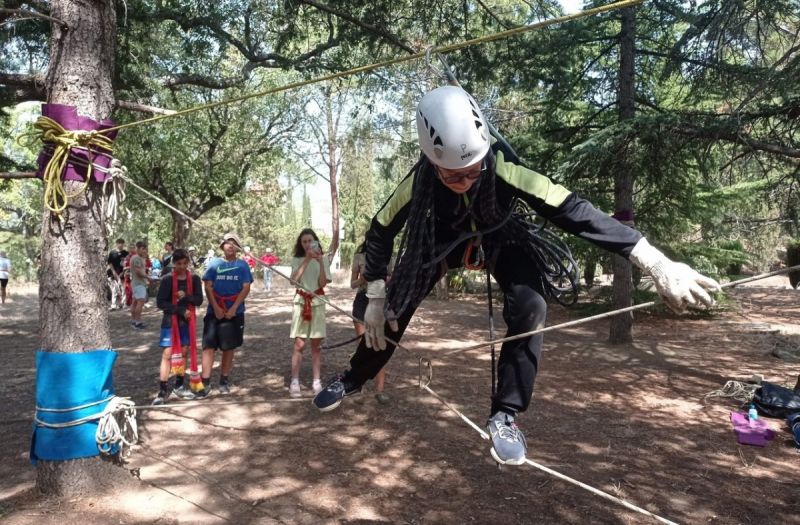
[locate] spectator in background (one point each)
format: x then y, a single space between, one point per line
269 259
139 283
5 275
116 259
193 261
166 258
249 259
209 257
310 268
155 269
126 274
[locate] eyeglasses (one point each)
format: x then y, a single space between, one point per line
455 178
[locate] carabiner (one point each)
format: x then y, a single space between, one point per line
480 257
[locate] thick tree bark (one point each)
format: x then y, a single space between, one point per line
73 313
620 329
181 227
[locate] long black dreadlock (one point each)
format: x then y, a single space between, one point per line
549 256
411 275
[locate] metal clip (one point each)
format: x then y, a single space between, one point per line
479 260
446 73
426 363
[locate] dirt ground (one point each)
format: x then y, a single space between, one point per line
629 420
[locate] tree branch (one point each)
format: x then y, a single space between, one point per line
17 174
24 87
494 16
144 108
31 14
378 30
738 138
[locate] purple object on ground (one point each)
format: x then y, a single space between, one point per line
755 432
68 118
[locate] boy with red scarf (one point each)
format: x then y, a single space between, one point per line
179 293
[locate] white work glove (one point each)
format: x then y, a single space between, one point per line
678 285
374 318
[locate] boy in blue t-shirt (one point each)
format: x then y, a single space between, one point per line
227 283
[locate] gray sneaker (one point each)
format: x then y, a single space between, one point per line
508 442
183 392
224 388
161 399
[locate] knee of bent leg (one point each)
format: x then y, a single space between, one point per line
526 307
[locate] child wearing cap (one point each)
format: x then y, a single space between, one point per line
227 283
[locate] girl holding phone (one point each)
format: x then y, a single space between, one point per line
310 268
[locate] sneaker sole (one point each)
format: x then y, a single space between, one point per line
329 407
508 461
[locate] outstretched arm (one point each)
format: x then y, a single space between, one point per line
679 285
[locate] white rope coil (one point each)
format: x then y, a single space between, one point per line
737 390
114 198
116 424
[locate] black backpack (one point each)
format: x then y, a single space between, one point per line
776 401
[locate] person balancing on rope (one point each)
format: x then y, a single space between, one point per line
464 190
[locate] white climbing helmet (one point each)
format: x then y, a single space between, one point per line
452 131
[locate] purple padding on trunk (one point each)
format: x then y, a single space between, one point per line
68 118
756 432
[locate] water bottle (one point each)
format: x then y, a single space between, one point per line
752 414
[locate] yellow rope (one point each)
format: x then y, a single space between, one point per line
56 197
363 69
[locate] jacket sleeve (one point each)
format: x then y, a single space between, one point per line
197 292
578 217
384 227
164 297
564 208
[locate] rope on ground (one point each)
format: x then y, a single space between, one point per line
738 390
391 62
589 319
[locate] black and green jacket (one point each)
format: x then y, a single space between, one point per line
551 201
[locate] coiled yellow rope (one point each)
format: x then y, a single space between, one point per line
63 142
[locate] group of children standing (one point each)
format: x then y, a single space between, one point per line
227 280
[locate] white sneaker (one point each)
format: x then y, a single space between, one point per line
317 386
294 389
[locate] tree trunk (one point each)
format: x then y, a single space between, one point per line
181 228
333 165
620 329
72 309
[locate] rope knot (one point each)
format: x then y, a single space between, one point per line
63 141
